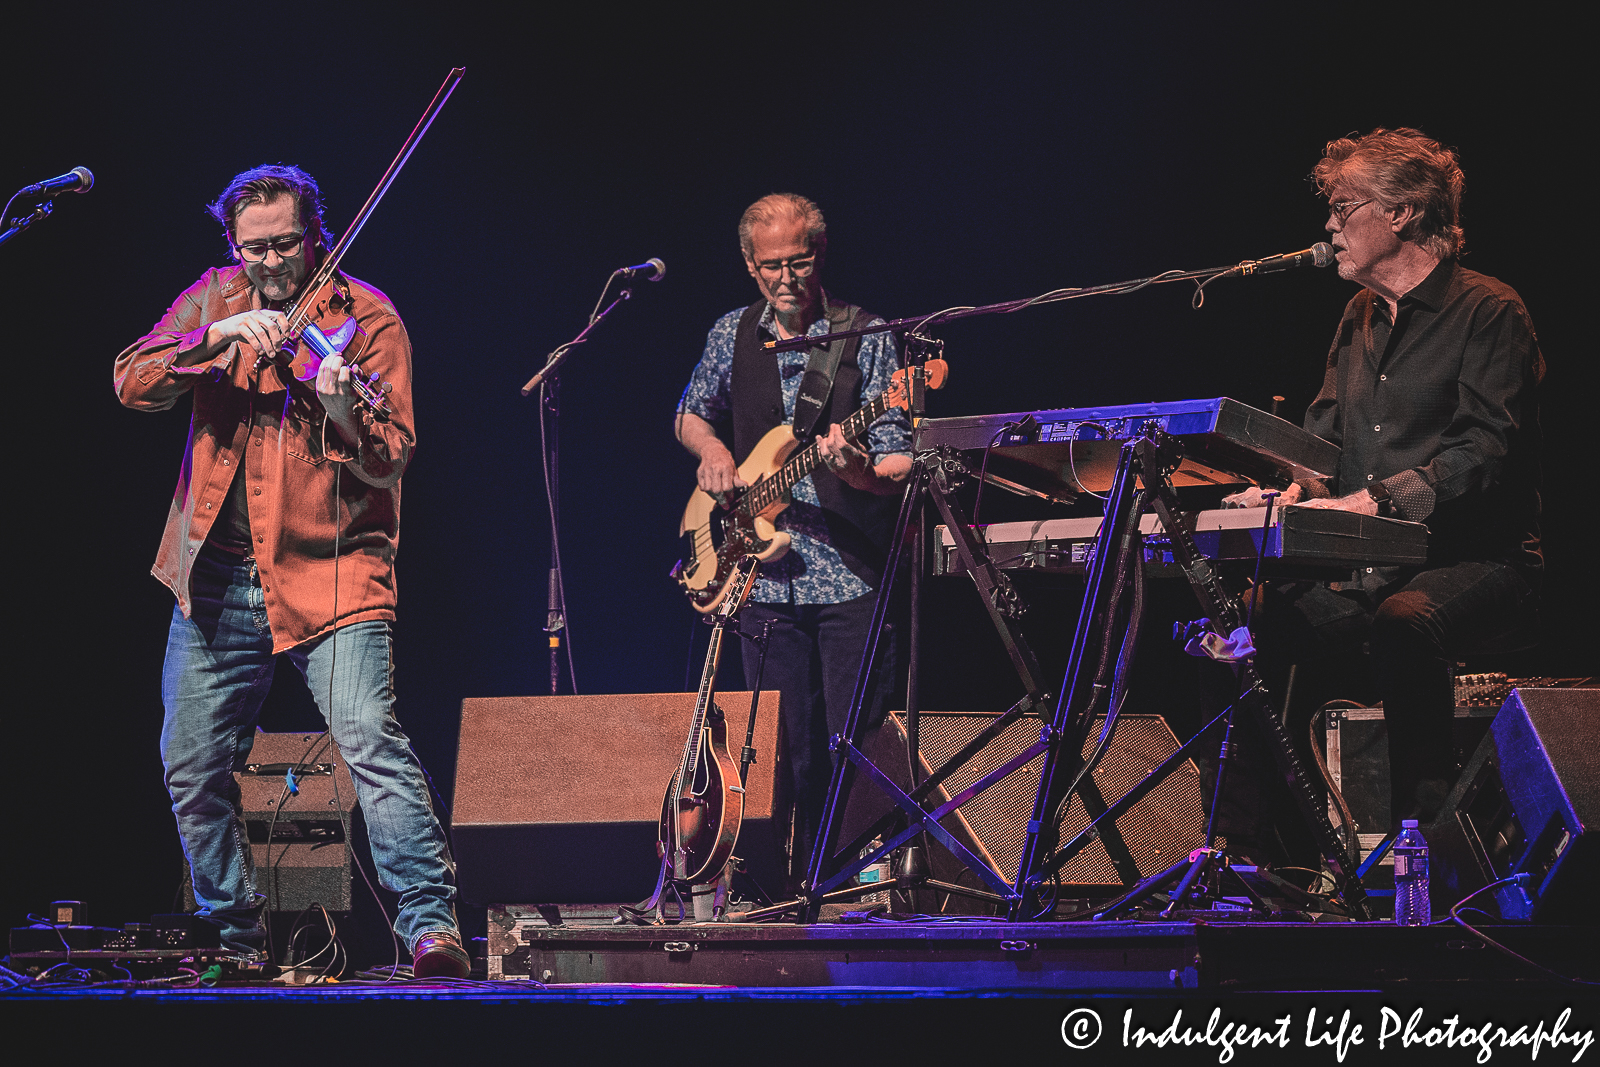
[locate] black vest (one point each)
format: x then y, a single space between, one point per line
860 524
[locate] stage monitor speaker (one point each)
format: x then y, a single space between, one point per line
1528 803
1160 829
558 798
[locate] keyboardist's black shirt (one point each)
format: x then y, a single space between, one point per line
1441 406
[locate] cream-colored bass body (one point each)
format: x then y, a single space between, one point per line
706 523
718 533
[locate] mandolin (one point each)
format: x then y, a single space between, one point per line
704 805
718 533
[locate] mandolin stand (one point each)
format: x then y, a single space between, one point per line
1096 678
680 890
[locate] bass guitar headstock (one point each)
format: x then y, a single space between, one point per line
934 373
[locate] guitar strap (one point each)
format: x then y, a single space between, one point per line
820 371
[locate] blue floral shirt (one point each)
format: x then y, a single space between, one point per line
811 572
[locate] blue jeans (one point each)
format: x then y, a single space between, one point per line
218 669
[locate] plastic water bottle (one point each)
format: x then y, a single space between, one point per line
1411 906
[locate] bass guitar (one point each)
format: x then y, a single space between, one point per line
717 533
704 805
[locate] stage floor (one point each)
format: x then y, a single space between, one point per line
1088 956
525 955
1178 992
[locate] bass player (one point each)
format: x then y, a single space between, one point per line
819 595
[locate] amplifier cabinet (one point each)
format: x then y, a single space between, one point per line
296 829
1357 745
1543 820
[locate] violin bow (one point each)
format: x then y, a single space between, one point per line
331 262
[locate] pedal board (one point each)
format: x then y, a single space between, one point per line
161 943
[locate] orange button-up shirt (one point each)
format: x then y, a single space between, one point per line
249 423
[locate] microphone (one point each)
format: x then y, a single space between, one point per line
653 268
1318 255
77 180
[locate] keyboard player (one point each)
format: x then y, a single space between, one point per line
1430 392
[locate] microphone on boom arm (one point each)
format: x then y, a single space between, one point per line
76 180
1318 255
653 270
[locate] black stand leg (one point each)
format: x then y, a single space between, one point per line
1151 459
915 858
1224 610
748 755
1083 689
934 475
844 768
555 623
1224 757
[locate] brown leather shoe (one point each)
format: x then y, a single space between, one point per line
440 955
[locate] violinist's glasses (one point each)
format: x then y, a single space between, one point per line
287 247
799 266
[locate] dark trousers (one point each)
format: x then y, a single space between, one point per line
1416 624
812 662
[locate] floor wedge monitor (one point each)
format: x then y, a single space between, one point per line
1158 830
558 798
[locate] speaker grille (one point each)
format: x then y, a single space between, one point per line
1158 829
558 798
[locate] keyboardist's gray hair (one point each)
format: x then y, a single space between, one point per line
1402 166
776 206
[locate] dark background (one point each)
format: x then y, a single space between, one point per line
963 155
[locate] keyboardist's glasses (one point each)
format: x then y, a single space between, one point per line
1340 209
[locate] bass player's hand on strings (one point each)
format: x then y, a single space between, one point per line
717 473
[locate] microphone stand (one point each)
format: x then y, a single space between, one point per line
548 382
24 221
